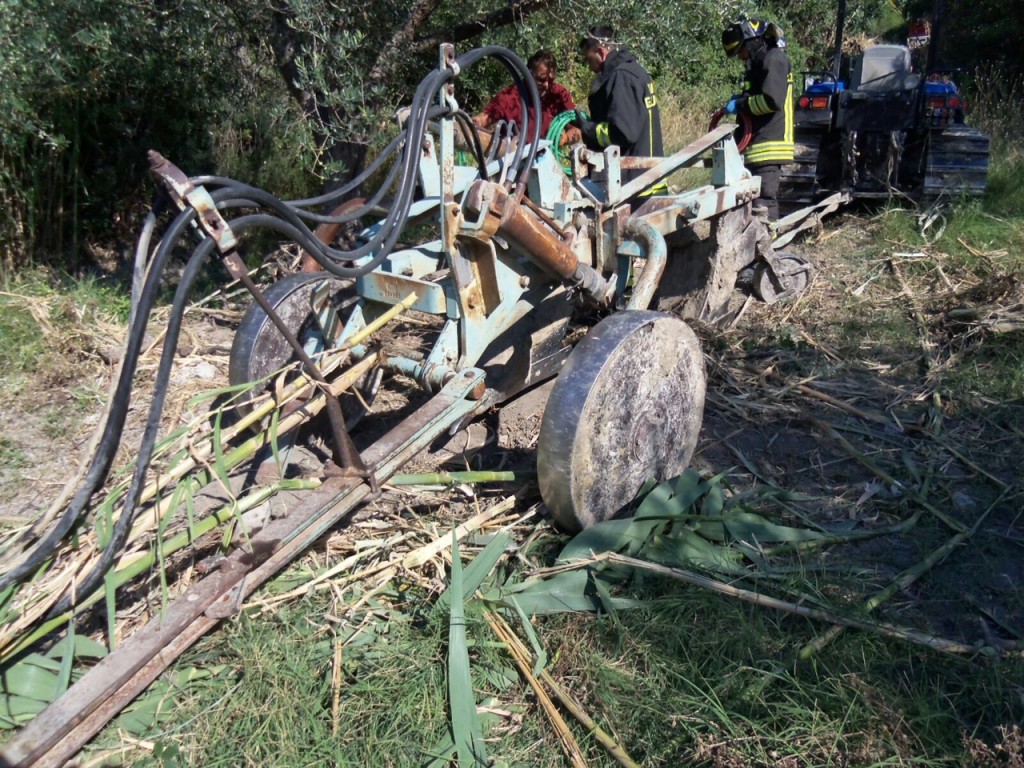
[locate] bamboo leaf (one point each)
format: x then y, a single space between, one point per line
220 466
477 571
32 678
686 548
611 536
213 394
714 500
84 647
748 527
531 635
687 488
443 752
466 728
567 592
657 503
64 676
604 594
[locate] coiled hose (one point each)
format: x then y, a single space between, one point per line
558 125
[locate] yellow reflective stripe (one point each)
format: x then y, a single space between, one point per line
603 138
661 188
650 101
788 110
758 105
770 151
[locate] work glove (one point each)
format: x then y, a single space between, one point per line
588 128
732 106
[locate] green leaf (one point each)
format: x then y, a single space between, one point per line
685 548
443 752
477 571
714 501
17 710
610 536
657 503
32 678
466 729
751 528
84 647
531 635
688 488
567 592
64 677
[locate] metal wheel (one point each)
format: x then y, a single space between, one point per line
627 407
259 349
786 276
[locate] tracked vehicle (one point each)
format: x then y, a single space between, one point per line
873 127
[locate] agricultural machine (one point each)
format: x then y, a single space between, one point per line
535 271
874 127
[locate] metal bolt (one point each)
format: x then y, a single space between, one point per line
524 281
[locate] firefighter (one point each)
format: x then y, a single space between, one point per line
768 99
623 107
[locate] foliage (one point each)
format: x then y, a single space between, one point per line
291 92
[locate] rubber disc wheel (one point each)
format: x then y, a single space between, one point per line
259 349
626 408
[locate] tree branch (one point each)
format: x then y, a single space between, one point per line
389 55
513 12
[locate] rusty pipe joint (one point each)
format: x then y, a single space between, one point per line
497 213
656 251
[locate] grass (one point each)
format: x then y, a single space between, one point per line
44 316
674 681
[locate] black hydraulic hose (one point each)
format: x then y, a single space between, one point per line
478 149
390 229
522 74
328 197
287 222
84 586
509 131
122 528
106 451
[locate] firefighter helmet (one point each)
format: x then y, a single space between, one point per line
740 31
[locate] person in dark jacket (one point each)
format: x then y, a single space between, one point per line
623 107
768 99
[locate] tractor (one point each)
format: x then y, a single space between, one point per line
877 127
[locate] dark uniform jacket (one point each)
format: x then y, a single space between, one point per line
768 99
623 106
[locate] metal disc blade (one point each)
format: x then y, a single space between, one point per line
259 349
790 278
626 408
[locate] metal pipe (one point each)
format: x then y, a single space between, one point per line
504 216
837 51
657 257
527 232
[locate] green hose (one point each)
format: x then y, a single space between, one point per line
555 131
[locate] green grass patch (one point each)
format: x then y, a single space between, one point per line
994 370
50 323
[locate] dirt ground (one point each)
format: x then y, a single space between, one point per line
859 442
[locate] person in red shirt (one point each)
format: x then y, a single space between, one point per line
554 99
